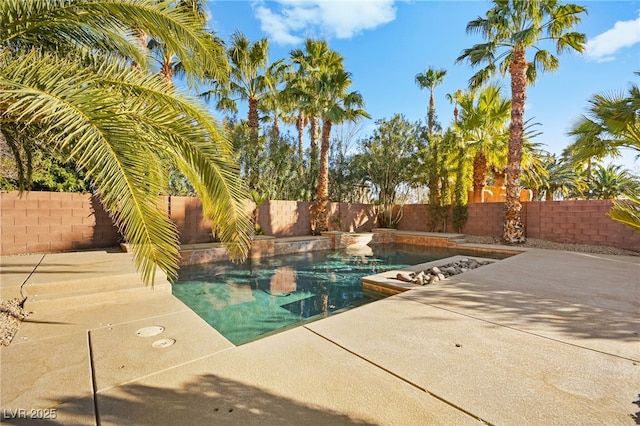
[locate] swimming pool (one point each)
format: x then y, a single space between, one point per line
260 297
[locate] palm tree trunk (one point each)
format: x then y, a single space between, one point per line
479 176
314 132
322 200
275 130
513 226
254 125
166 72
300 123
431 113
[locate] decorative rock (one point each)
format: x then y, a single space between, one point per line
442 272
450 270
403 276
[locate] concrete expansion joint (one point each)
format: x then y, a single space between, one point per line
409 382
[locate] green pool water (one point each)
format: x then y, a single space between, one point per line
260 297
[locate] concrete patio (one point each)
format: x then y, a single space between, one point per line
544 337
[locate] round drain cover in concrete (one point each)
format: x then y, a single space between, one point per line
163 343
150 331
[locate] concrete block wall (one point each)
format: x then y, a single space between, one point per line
575 221
293 218
37 222
348 217
580 222
484 219
285 218
187 214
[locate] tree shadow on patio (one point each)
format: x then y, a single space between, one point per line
588 304
205 400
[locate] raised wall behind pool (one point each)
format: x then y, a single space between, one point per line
40 222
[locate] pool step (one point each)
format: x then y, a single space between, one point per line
114 288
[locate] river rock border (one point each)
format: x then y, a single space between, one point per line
437 273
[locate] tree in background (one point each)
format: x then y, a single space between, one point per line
430 79
252 79
611 123
389 160
314 59
511 28
612 182
483 127
461 164
323 90
69 87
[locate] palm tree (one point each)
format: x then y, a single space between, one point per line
483 125
68 86
338 106
460 163
429 80
612 182
559 181
316 58
627 212
252 79
322 89
611 123
511 28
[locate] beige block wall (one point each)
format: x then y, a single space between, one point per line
40 222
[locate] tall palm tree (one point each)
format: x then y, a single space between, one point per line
252 79
315 58
68 86
430 79
338 106
323 91
512 28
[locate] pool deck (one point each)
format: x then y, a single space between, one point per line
544 337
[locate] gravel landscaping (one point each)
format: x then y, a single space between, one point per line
550 245
11 313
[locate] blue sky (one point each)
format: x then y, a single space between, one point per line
385 43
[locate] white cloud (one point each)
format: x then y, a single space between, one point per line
288 21
603 47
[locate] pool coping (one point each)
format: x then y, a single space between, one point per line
266 246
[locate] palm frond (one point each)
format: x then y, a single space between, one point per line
626 212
